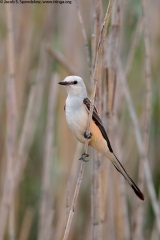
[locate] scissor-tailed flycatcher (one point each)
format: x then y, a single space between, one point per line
77 109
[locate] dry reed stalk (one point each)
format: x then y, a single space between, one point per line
84 36
129 61
24 56
97 72
110 203
98 60
12 225
25 141
141 147
148 77
46 203
11 133
118 146
97 212
96 190
147 119
112 50
73 205
87 235
70 187
123 212
118 208
119 196
26 224
123 215
97 29
60 58
155 234
72 178
31 116
96 194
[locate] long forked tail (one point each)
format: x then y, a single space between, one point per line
121 169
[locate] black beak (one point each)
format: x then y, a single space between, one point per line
64 83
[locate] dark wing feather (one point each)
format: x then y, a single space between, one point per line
115 162
98 122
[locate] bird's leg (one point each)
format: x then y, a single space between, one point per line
84 155
87 135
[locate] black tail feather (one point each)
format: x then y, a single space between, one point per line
119 166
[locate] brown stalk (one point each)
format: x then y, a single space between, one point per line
74 201
31 117
46 203
141 147
72 178
147 117
112 49
5 206
122 208
148 77
96 187
26 224
84 35
12 221
118 194
25 141
129 61
24 56
69 192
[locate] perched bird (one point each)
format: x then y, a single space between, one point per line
77 109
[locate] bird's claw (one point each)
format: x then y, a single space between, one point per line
84 155
87 135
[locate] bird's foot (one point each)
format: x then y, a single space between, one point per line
87 135
84 155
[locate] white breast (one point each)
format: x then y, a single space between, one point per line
77 116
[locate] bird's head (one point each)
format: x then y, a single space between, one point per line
74 86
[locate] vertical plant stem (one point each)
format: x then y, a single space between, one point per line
84 35
12 221
116 218
96 185
147 118
72 178
74 201
47 191
141 147
11 125
25 141
70 189
26 224
31 117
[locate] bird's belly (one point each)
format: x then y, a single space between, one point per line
77 122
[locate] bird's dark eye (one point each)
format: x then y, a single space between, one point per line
75 82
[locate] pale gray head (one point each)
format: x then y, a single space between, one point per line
74 86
